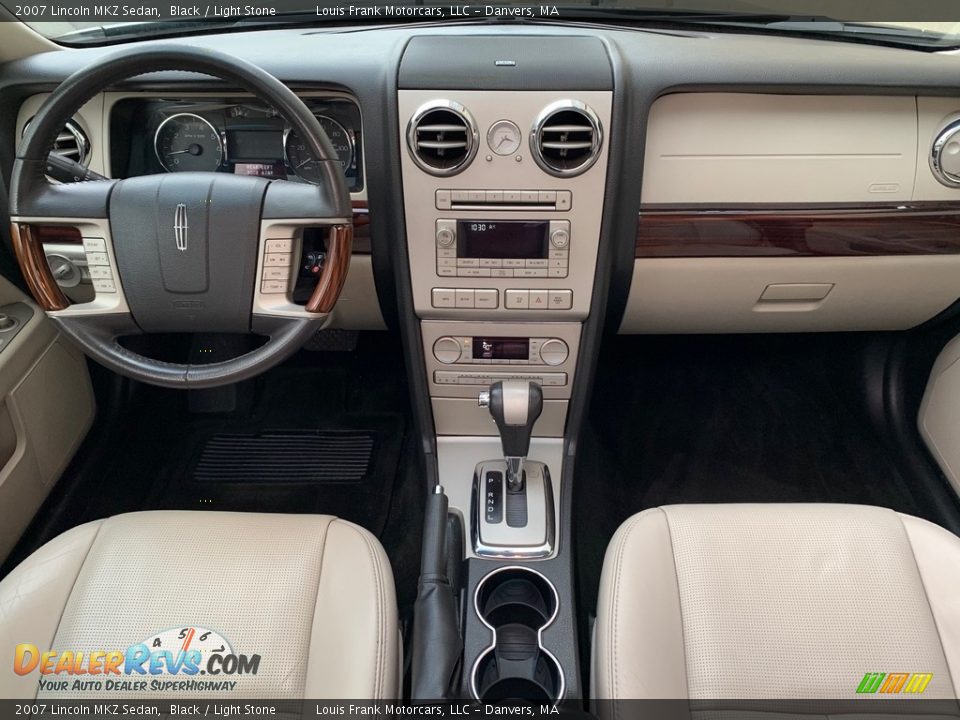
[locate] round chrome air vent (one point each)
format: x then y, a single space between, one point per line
566 138
71 142
442 137
945 155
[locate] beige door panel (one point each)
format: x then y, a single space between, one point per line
46 408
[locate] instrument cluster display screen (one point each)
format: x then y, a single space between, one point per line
503 239
501 348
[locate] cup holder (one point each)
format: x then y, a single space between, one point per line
517 604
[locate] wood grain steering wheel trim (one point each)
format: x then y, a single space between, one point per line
28 246
335 267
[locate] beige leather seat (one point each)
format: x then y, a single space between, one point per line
312 595
775 601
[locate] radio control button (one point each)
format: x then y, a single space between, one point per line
554 379
476 196
446 350
561 299
538 263
459 196
446 262
468 262
443 200
445 377
560 238
558 253
279 245
473 272
443 298
538 300
560 272
547 197
529 196
516 299
554 352
558 263
514 263
276 273
494 196
464 299
491 263
531 272
511 196
446 272
445 237
486 299
502 272
446 252
564 199
277 259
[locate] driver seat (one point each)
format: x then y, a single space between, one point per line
311 595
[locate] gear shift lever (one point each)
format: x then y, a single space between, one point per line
515 406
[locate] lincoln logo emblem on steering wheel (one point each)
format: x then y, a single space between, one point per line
180 227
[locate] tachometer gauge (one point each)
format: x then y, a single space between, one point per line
188 142
300 158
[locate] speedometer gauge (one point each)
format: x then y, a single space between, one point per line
301 159
188 142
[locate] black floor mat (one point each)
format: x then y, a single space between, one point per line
285 456
727 419
323 433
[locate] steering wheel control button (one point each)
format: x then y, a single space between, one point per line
273 287
447 350
276 273
443 298
104 286
277 259
94 245
279 245
7 322
554 352
97 258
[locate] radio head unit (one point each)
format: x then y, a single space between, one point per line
503 248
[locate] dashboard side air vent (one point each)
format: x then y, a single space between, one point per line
566 138
944 155
442 137
71 142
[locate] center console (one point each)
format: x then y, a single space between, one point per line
503 194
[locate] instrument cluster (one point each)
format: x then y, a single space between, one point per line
239 136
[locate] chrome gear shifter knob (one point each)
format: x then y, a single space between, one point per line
515 406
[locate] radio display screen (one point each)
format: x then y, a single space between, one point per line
507 239
501 348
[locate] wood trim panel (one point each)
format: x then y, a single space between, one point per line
334 273
837 231
28 246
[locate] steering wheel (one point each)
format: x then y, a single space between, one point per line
183 252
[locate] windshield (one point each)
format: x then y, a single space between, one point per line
93 22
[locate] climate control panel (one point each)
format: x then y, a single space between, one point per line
451 350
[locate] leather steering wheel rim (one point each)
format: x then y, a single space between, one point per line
32 196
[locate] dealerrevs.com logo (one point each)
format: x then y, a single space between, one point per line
172 660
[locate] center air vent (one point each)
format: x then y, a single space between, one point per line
442 137
566 138
71 143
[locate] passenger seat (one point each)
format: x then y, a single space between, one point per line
797 601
